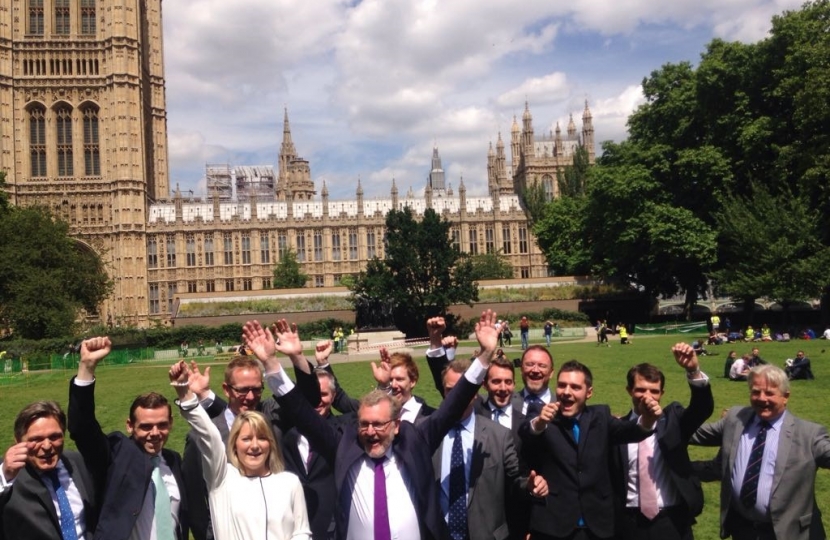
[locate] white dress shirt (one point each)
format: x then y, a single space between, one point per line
505 417
145 525
761 510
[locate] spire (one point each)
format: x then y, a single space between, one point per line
394 187
586 114
515 127
325 191
500 144
490 151
571 127
526 115
359 191
286 129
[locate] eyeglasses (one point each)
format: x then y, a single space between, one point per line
255 390
376 426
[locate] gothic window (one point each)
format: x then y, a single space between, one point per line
456 238
301 247
246 248
335 246
92 152
352 244
264 250
171 296
208 250
228 284
210 286
191 286
37 141
319 281
152 252
489 240
525 272
36 17
266 283
88 17
522 240
63 123
227 241
191 250
473 242
318 245
62 17
547 184
171 251
506 248
247 284
371 246
154 298
282 243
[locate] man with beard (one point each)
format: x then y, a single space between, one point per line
144 496
381 485
569 443
46 493
768 464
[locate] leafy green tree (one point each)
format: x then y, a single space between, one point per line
560 234
573 179
421 275
534 202
287 272
46 278
490 266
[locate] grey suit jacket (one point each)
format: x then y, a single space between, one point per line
494 475
802 447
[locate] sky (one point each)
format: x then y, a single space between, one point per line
372 86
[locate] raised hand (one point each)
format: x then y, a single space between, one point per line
261 342
685 356
487 336
15 459
435 328
288 341
93 350
382 371
545 416
179 375
322 352
651 412
537 485
199 382
450 342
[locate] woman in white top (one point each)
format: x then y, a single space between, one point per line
251 495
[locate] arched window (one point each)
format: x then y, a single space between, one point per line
63 124
92 152
547 183
62 17
36 17
88 17
37 141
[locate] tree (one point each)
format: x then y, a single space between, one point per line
287 272
490 266
421 275
46 278
573 179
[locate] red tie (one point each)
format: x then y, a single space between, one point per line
648 489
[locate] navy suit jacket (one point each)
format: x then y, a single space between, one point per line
413 448
27 510
124 467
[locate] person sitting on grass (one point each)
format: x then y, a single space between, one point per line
740 369
799 367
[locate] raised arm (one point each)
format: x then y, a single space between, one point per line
83 425
702 402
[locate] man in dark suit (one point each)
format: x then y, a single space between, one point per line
144 495
569 444
379 464
768 464
537 370
479 458
46 493
657 493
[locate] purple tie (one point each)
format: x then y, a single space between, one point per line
382 531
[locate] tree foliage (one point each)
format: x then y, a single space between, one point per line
287 272
46 278
421 275
573 178
490 266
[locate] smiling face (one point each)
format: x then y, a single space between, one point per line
640 390
572 393
768 401
537 369
252 450
402 384
244 390
500 385
377 428
150 428
45 437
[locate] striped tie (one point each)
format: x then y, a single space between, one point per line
749 487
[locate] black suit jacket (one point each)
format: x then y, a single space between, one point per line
577 475
673 431
124 467
26 507
413 447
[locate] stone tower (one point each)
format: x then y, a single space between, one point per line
294 171
84 127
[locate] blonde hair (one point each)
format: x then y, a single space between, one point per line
260 426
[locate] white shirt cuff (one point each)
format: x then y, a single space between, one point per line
476 372
440 351
700 383
279 383
79 382
208 401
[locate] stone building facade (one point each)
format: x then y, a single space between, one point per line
83 131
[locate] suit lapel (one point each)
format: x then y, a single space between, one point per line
32 483
785 442
480 434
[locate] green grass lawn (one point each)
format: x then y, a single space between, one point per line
118 385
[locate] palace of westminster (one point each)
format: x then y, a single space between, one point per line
83 131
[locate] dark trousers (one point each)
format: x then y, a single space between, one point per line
745 529
671 523
578 534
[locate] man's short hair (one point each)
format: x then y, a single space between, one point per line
150 400
376 397
541 348
649 372
36 411
459 365
404 360
501 362
575 365
242 362
324 375
774 375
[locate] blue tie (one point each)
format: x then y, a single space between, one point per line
575 432
68 531
749 487
458 491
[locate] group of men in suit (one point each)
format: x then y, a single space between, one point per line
537 463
